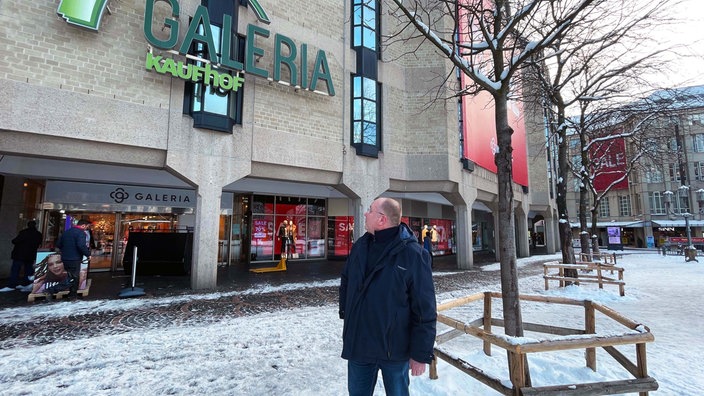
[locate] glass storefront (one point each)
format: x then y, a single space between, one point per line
443 233
294 223
109 232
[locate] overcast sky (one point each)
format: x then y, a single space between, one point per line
689 68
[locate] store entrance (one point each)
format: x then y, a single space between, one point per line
109 233
234 233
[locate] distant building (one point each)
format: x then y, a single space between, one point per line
637 206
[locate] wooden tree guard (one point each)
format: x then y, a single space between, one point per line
481 328
591 272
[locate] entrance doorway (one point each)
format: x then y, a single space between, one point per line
234 235
109 232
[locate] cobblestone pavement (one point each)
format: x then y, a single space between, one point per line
208 310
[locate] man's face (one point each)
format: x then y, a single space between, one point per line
55 265
374 219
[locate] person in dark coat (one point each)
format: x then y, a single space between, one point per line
74 245
428 245
23 255
387 301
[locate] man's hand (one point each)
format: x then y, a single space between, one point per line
417 368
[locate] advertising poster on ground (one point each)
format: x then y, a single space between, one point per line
50 275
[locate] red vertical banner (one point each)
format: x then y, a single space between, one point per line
479 121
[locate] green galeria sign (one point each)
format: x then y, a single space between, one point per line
215 71
84 13
259 11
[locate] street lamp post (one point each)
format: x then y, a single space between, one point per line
690 252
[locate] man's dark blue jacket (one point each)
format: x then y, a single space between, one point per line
390 313
73 245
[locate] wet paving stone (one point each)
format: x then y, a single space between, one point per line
208 310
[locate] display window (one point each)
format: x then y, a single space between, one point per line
291 226
441 233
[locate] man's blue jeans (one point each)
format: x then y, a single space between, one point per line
15 272
361 378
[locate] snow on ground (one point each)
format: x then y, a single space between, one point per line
296 352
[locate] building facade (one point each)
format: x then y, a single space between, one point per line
221 119
638 208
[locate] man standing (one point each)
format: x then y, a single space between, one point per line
74 245
24 254
387 300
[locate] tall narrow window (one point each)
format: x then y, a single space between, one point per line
364 113
366 90
604 211
624 203
699 170
364 29
674 172
698 142
657 205
213 107
681 201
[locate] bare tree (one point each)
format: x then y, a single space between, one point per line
500 38
593 68
613 144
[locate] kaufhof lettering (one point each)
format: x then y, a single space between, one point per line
161 197
286 54
195 73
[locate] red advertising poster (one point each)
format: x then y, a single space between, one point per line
609 164
479 124
441 236
262 237
344 228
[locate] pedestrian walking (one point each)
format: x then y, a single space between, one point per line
74 245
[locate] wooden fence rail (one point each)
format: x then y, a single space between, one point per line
589 272
565 339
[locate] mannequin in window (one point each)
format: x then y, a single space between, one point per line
281 233
423 233
434 237
292 235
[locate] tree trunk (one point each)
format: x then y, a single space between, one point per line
561 201
584 229
513 321
507 239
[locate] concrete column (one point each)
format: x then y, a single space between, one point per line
521 220
358 210
205 237
495 242
10 211
463 237
550 233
